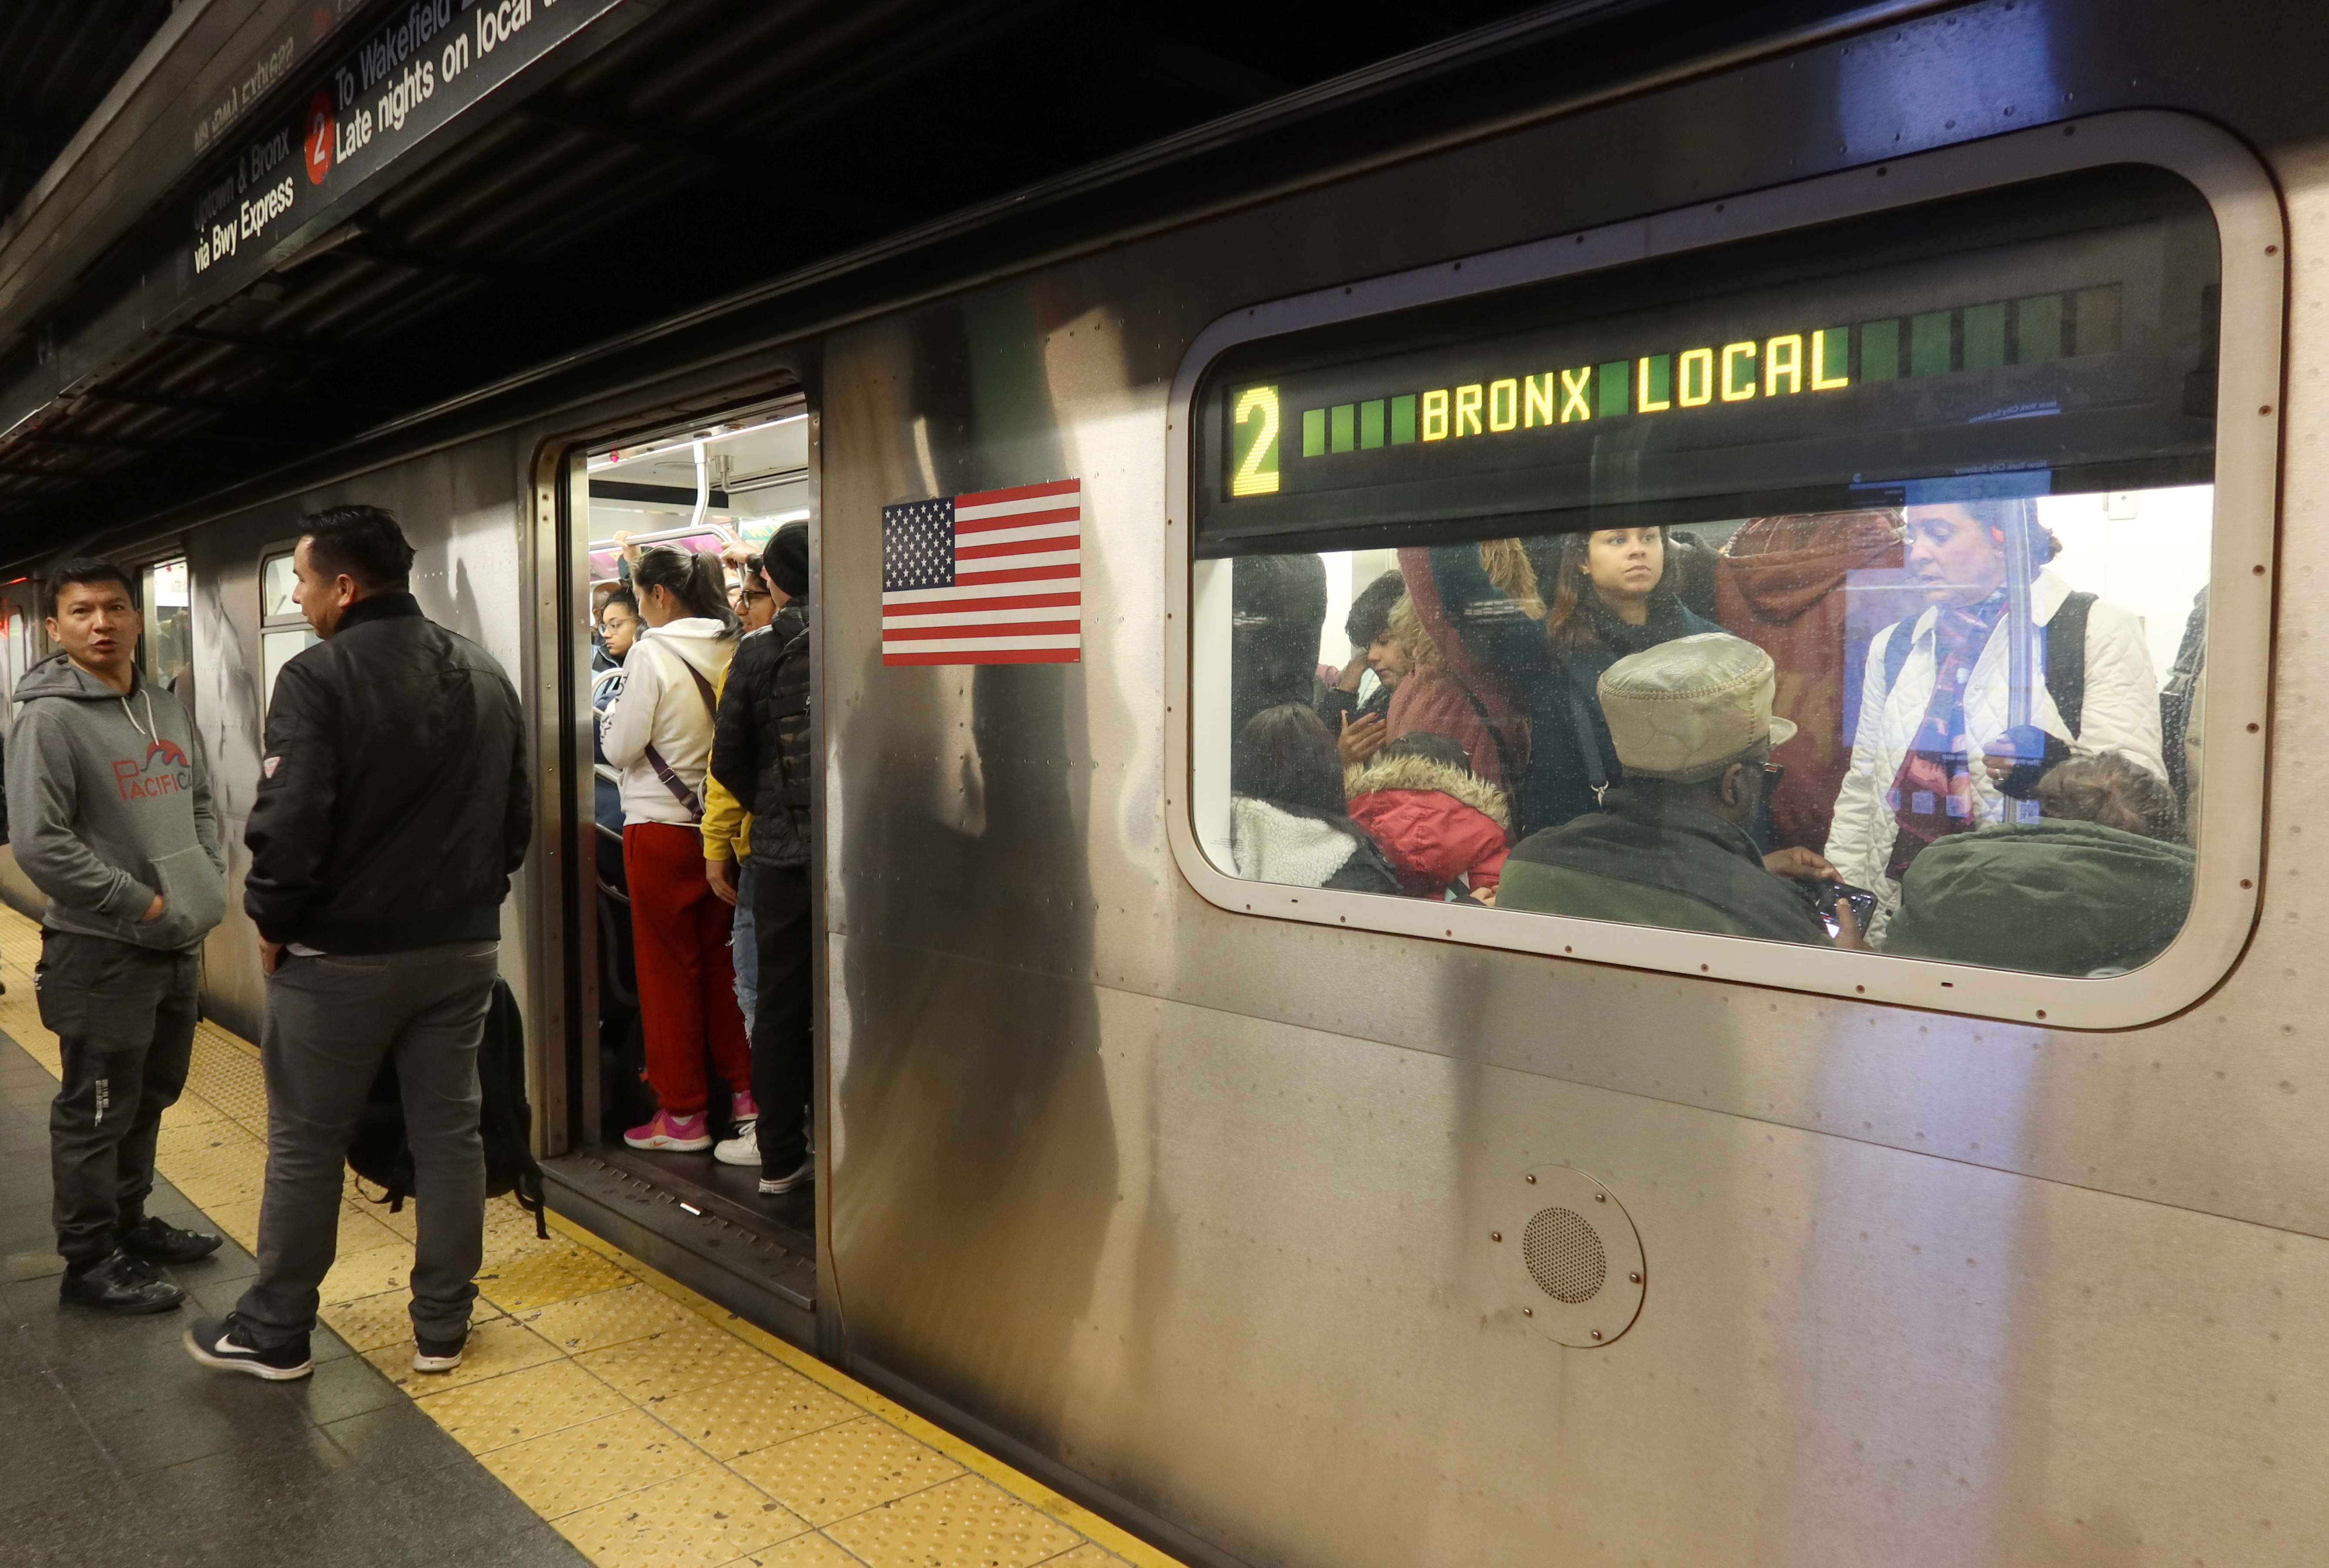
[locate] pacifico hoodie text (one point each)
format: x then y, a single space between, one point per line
110 804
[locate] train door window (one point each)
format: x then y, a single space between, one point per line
1846 588
283 631
168 648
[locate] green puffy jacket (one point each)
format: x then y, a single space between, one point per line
2053 896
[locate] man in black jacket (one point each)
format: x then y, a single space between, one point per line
392 809
760 753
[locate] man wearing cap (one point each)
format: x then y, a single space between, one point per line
1691 721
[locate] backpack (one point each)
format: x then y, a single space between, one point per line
2066 658
380 1156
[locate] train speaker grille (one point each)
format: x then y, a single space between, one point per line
1564 1255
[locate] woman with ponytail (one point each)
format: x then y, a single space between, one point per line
659 733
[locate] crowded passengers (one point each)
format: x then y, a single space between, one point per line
703 724
1901 730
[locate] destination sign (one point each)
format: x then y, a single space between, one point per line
1668 391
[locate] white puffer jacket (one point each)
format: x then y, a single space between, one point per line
2121 715
660 705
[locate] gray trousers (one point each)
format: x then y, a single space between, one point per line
124 1018
331 1021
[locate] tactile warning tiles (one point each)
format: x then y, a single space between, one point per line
970 1523
608 1317
355 1275
517 1405
769 1404
357 1233
369 1322
229 1080
800 1551
1087 1555
611 1457
679 1359
844 1470
496 1346
190 1110
544 1277
703 1518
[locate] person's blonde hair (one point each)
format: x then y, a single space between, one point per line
1506 562
1406 629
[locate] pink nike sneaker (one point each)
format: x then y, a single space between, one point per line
679 1134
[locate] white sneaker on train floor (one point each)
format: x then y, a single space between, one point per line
744 1148
776 1186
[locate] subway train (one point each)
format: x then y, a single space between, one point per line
1289 1220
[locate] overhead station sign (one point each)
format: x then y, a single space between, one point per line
280 177
401 80
1717 385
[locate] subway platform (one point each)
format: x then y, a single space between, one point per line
603 1414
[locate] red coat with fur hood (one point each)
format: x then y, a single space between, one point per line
1434 823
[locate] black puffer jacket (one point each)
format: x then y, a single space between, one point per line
393 803
760 746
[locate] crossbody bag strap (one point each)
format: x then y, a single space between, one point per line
686 797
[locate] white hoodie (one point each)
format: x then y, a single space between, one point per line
660 705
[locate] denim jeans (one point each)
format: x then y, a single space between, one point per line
747 948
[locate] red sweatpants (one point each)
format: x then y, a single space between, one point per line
687 982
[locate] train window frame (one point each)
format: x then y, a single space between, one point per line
270 625
143 573
2252 235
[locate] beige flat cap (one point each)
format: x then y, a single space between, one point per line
1686 710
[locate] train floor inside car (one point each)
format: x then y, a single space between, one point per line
604 1412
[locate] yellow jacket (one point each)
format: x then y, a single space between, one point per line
727 825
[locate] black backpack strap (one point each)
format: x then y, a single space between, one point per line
1896 651
2066 660
1589 748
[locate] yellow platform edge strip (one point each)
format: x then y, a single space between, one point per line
1025 1488
20 1015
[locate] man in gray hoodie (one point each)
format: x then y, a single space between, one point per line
110 814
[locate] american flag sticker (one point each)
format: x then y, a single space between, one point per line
995 577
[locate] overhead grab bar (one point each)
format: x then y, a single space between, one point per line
661 534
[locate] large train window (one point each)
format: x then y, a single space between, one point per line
1841 588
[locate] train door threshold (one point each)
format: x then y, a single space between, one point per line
701 1224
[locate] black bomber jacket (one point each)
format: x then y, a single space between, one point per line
393 803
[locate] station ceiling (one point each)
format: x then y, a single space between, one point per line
58 59
718 145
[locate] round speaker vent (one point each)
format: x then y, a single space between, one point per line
1564 1255
1570 1257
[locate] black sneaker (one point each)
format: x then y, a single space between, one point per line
119 1284
773 1186
437 1355
224 1343
157 1242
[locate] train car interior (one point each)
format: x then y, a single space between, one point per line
720 489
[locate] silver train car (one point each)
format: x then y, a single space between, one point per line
1295 1224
